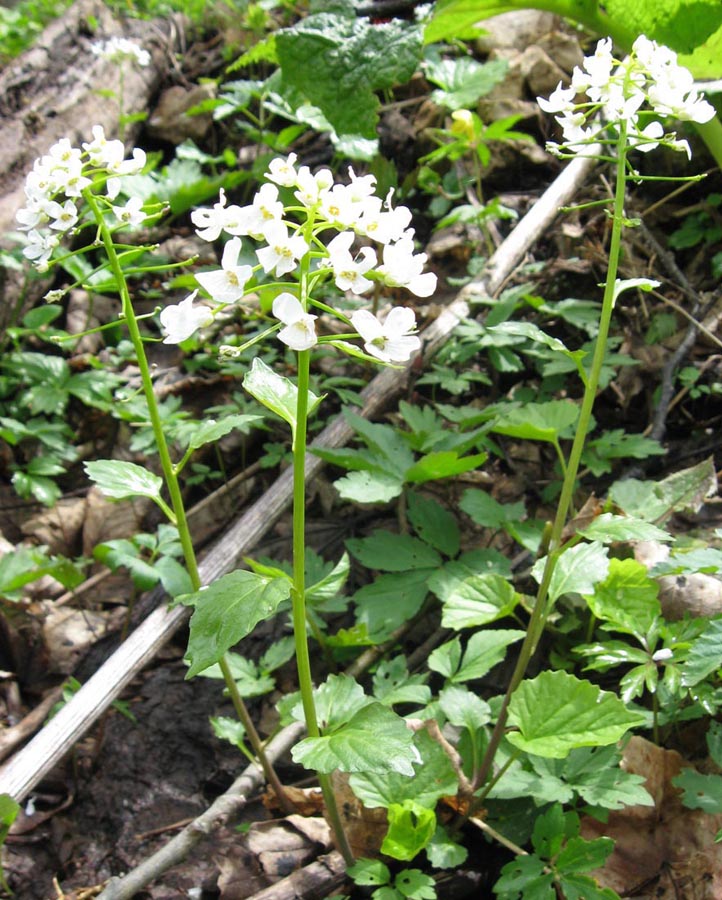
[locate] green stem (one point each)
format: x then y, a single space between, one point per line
541 606
177 512
298 594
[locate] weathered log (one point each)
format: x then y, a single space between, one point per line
52 91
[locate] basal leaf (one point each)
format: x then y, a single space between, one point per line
705 654
120 480
391 552
375 739
434 524
577 570
471 599
276 392
369 487
209 431
434 778
700 791
228 610
548 421
609 528
627 597
389 601
463 708
556 712
484 650
443 464
411 827
338 62
487 511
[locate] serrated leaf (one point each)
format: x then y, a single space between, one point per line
463 81
434 524
391 552
228 610
411 827
443 464
556 712
484 650
526 876
276 392
487 511
627 597
445 853
369 487
608 528
464 709
374 739
683 491
577 570
471 599
700 791
369 872
548 421
209 430
120 480
389 601
338 62
434 778
705 654
415 884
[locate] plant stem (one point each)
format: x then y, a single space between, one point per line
170 473
298 594
541 607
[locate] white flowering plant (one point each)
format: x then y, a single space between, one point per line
307 230
122 52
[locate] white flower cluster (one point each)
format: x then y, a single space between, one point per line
351 209
618 90
54 187
118 49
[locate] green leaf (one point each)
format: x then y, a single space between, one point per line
120 480
434 778
534 333
471 599
250 681
392 683
434 524
390 601
487 511
446 658
627 598
337 700
608 528
228 729
484 650
386 441
374 739
393 552
443 464
683 491
369 487
463 81
584 887
525 876
705 654
548 421
700 791
276 392
577 570
415 885
411 827
579 855
445 853
556 712
464 709
209 430
339 62
228 610
369 872
629 284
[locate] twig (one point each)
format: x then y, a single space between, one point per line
225 806
317 879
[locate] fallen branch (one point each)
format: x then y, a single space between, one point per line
50 745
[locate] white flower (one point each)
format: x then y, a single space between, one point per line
211 222
40 248
64 217
118 49
390 341
561 100
32 215
182 320
266 208
348 272
227 284
282 171
312 187
384 226
404 268
132 213
282 252
300 332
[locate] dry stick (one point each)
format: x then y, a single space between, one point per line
317 879
50 745
217 814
